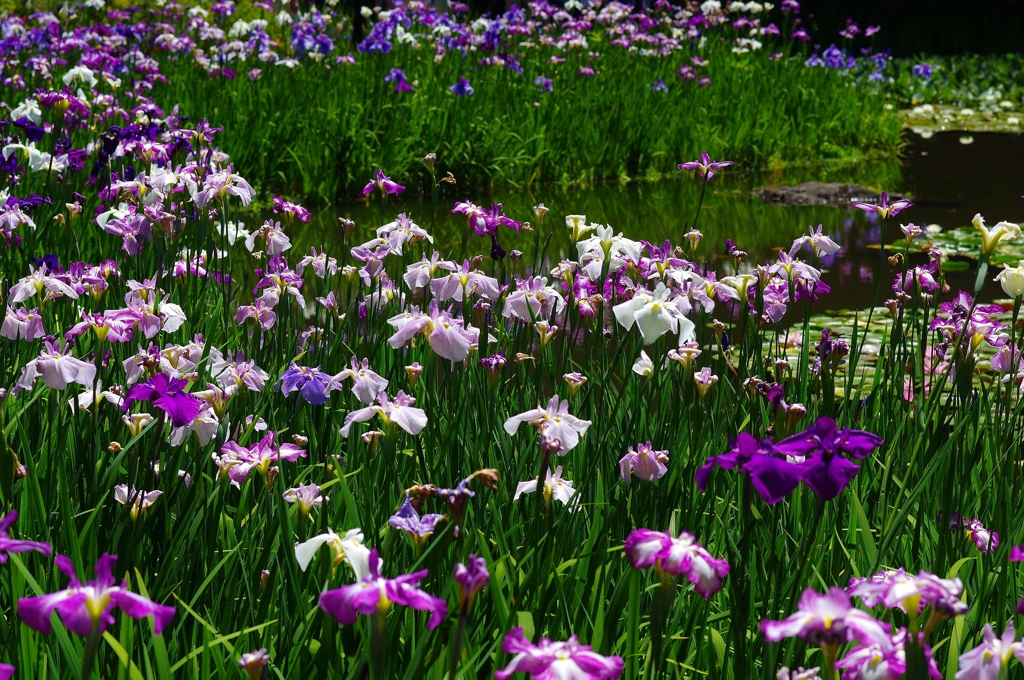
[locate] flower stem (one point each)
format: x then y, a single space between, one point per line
457 641
92 646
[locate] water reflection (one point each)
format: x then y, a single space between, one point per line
949 181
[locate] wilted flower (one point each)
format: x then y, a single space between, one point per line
677 555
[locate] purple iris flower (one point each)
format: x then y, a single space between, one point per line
168 395
705 166
824 470
771 474
923 71
410 521
397 76
680 554
384 184
13 545
314 385
462 88
84 607
825 620
550 659
546 84
883 208
374 593
658 86
471 577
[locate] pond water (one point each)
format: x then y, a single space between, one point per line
948 180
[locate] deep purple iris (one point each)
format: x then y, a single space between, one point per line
168 395
462 88
771 474
827 451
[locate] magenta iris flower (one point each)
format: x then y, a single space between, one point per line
471 577
462 88
83 606
550 660
384 184
314 385
705 167
771 474
237 462
907 592
827 619
168 395
823 468
680 554
13 545
374 593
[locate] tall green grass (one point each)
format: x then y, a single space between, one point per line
313 131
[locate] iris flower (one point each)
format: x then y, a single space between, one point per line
85 607
383 183
555 487
550 660
412 523
555 421
306 496
990 238
375 594
987 660
366 384
399 411
826 620
823 468
57 368
168 395
772 476
13 545
654 314
883 208
910 593
644 462
471 576
462 88
314 385
238 462
677 555
446 334
705 167
348 548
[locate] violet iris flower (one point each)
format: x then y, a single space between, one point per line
168 395
680 554
471 577
885 209
883 660
314 385
383 184
910 593
238 462
771 475
827 619
13 545
987 660
375 594
644 462
550 660
705 167
408 520
553 420
85 607
462 88
923 71
823 469
366 384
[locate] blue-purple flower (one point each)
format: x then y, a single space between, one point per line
462 88
313 384
13 545
417 527
771 474
824 452
705 167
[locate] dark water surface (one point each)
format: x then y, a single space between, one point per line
948 180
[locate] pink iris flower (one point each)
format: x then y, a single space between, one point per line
553 660
680 554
